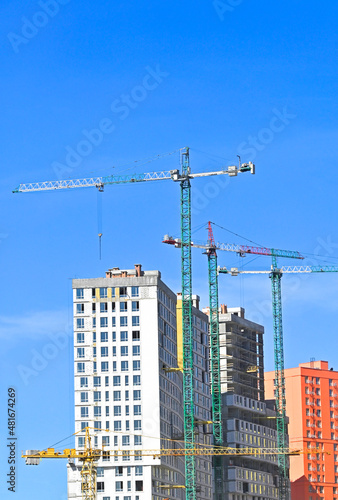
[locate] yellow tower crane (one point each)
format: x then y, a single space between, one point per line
89 457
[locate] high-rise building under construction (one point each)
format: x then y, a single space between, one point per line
125 343
247 420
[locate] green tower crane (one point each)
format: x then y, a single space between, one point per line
241 250
276 275
184 179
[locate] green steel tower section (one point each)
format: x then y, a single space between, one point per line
188 356
215 361
283 465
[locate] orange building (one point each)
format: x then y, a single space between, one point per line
312 408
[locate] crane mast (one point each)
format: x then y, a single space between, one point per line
281 429
188 355
216 394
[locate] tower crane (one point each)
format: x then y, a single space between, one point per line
276 275
89 457
241 250
183 178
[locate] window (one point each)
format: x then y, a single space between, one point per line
114 336
117 411
104 336
93 307
126 395
119 485
134 291
124 336
103 307
118 471
136 365
125 440
136 335
138 470
123 291
124 350
139 485
317 381
100 472
104 322
123 321
94 352
81 442
135 321
84 397
137 440
84 411
104 366
137 425
114 350
137 395
94 337
97 381
79 293
107 411
103 293
80 367
127 410
97 396
94 322
79 308
136 379
80 338
97 411
136 350
318 402
84 425
127 425
135 305
84 382
104 352
137 410
113 322
100 486
117 426
80 323
105 441
117 395
124 366
123 306
116 380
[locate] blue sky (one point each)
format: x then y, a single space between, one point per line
142 79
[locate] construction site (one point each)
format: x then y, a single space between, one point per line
170 400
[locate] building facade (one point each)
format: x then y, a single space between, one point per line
312 408
247 420
126 344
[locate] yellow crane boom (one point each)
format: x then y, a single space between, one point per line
89 456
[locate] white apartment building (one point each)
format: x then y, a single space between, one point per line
125 342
